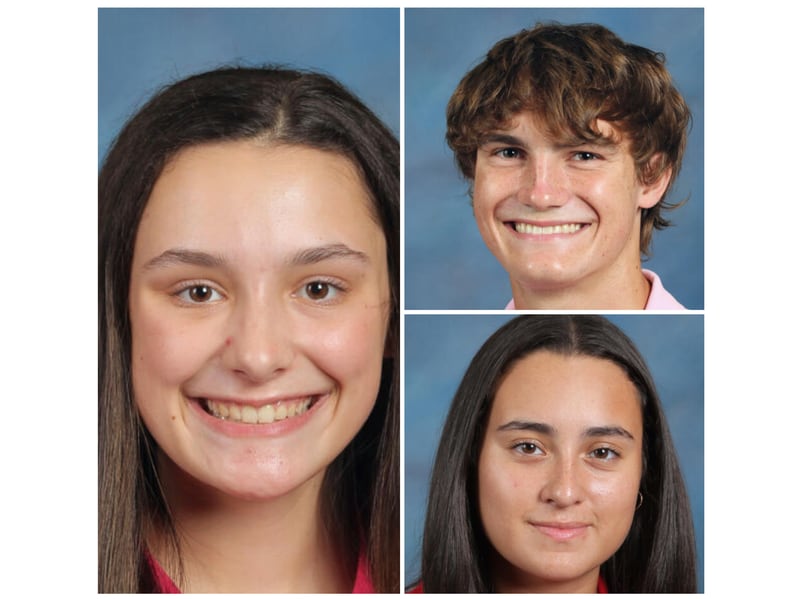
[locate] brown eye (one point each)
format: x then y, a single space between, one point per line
527 448
605 453
585 156
318 290
200 293
510 153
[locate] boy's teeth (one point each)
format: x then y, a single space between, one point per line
550 230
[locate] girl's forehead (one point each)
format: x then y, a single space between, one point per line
241 196
240 174
570 391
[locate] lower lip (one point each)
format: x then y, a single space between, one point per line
561 534
241 429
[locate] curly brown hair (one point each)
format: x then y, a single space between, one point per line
571 76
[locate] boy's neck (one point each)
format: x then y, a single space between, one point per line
626 289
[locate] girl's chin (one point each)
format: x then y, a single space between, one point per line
263 485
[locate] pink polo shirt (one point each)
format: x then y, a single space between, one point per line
164 584
659 298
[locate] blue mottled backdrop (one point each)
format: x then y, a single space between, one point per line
447 265
438 349
141 50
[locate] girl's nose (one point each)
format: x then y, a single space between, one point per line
258 345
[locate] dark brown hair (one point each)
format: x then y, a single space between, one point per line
570 76
361 489
658 555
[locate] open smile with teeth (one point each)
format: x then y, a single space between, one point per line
266 414
529 229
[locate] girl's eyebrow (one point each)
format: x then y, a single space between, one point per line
607 431
312 255
526 425
183 256
326 252
546 429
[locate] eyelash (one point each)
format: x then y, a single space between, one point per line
584 156
612 454
502 153
579 156
529 448
334 286
184 293
526 448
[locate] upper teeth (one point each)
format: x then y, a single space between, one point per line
550 230
252 415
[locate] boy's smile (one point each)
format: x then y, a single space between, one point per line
563 219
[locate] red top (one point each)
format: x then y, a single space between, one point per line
601 587
164 584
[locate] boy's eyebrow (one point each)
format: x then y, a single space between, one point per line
502 138
183 256
608 144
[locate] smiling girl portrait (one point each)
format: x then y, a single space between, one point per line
249 274
556 471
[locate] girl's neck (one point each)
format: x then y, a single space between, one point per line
509 579
582 585
233 545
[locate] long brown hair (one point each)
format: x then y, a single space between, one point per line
361 489
658 555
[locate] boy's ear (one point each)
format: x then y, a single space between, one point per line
651 193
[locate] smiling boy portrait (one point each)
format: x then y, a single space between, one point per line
570 139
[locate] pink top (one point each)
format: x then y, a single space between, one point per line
164 584
659 298
363 583
602 587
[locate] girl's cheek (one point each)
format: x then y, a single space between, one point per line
351 343
169 350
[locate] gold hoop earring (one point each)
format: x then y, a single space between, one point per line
640 502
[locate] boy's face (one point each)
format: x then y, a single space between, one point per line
560 216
